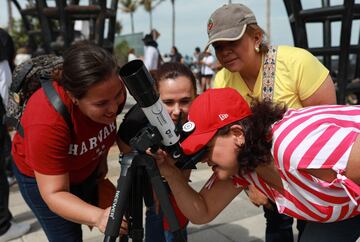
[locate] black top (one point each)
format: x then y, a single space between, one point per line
7 48
176 57
134 120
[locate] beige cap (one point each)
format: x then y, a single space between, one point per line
228 23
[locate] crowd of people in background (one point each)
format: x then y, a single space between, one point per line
203 64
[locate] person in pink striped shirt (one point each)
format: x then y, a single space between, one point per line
307 161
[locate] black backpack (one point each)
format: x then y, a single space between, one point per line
2 110
29 77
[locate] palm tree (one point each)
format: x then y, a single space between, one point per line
10 16
173 22
149 6
129 6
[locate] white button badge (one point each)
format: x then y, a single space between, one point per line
188 126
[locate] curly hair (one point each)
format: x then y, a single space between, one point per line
258 136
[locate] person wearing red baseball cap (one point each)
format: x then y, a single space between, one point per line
285 74
306 161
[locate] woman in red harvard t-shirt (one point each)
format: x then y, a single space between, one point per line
56 165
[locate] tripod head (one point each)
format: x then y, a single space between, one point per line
139 82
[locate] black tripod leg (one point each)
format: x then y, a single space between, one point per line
120 201
163 196
137 229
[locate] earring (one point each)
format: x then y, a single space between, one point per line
239 147
257 49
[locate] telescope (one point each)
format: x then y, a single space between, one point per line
137 167
140 84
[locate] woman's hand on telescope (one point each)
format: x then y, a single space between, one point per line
164 162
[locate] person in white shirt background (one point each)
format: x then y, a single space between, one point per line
131 55
23 54
207 72
151 53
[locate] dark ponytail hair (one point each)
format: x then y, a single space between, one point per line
85 64
172 70
258 137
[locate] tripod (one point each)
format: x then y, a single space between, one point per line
161 132
135 167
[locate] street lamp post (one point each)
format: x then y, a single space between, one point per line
268 20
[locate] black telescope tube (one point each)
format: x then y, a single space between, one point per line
139 82
142 91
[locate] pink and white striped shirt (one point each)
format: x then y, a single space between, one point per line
313 138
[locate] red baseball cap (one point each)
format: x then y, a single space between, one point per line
210 111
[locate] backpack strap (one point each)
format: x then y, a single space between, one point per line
19 75
55 100
2 112
268 79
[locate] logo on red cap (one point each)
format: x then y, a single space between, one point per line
223 116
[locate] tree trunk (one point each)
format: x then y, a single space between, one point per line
132 22
173 22
150 16
10 17
268 20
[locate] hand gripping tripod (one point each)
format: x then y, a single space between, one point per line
136 165
136 169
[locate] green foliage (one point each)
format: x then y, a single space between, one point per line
118 27
149 5
128 6
21 37
18 34
121 52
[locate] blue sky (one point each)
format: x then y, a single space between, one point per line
192 16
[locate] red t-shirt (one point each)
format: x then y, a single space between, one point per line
183 221
50 147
